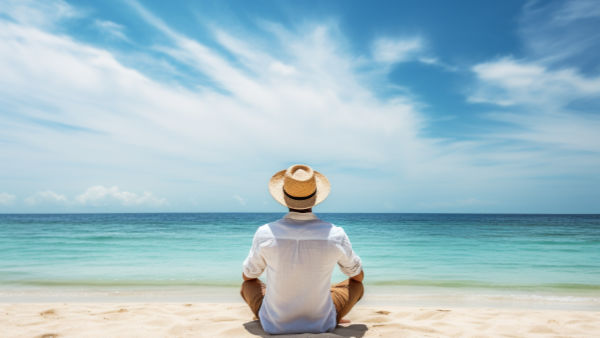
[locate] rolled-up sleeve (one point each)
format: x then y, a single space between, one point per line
349 262
254 264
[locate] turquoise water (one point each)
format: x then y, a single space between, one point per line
558 253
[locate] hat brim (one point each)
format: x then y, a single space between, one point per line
276 190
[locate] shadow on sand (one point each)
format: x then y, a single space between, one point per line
353 330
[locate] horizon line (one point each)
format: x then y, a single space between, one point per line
282 212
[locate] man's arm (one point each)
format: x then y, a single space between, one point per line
349 262
358 278
254 264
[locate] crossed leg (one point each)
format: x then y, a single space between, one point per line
253 292
344 295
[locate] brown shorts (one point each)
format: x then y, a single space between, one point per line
344 295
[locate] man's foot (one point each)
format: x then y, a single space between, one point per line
344 321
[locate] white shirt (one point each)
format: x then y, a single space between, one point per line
299 253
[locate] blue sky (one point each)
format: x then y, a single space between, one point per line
412 106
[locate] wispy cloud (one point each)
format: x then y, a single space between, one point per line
6 199
543 95
562 32
101 196
240 200
548 99
39 13
397 50
95 196
111 29
389 51
437 62
46 197
510 82
577 10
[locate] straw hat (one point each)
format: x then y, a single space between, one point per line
299 187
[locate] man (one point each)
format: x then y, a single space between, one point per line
299 253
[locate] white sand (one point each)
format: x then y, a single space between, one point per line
235 320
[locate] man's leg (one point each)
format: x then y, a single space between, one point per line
253 292
345 295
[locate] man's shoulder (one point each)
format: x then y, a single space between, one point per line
337 231
317 227
264 230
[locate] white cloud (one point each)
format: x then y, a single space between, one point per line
240 200
46 197
539 98
436 62
316 104
562 32
510 82
38 13
320 90
560 130
548 98
282 69
112 29
576 10
100 196
389 50
6 199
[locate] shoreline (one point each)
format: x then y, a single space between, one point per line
134 319
374 296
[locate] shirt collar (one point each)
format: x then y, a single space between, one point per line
301 216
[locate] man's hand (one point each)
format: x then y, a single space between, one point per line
246 277
359 277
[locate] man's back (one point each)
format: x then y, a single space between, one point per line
299 253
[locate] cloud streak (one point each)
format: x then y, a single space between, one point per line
46 197
6 199
396 50
508 82
562 32
111 29
99 196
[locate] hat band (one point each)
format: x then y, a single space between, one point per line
299 198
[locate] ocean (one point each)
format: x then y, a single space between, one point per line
413 258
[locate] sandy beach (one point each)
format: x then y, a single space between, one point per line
235 320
